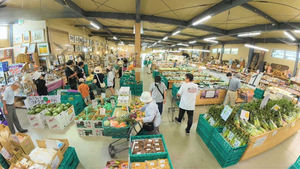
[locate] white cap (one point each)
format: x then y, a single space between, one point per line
146 97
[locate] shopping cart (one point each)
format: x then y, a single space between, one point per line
122 142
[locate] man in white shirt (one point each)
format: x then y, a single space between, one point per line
187 93
10 110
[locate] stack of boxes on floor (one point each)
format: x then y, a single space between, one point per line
19 152
129 80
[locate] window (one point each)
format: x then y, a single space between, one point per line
234 51
215 50
219 50
227 51
284 54
3 32
278 54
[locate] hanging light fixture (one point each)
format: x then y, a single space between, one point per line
201 20
256 47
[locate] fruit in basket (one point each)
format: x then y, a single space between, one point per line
68 105
106 123
37 110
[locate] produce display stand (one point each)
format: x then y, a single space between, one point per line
218 98
149 156
296 165
266 141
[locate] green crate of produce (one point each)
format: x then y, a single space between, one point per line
148 156
296 165
204 129
114 132
70 160
258 93
158 156
3 162
225 154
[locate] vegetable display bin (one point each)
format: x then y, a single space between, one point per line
114 132
149 156
205 130
70 160
296 165
3 162
225 154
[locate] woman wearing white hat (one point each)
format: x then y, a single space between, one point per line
99 80
152 119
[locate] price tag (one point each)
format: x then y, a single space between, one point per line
211 121
236 143
224 129
259 142
226 112
230 136
102 111
276 107
274 133
210 94
264 101
94 103
245 115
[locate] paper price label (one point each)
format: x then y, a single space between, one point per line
224 129
236 143
274 133
226 112
211 121
264 101
230 136
102 111
245 115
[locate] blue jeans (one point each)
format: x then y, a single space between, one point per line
160 107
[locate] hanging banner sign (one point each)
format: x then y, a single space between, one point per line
31 101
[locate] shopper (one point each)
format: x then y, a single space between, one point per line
120 63
149 64
40 83
152 119
99 81
233 89
187 93
10 110
71 75
175 63
84 90
80 71
158 91
110 80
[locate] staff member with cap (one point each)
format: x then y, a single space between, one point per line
152 119
233 89
71 75
10 110
40 83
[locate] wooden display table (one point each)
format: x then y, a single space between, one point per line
264 142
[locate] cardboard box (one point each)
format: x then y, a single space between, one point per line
85 132
54 162
50 143
98 132
4 131
56 122
23 141
86 124
69 116
37 120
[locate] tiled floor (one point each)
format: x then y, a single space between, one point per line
187 152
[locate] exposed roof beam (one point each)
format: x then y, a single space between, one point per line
259 12
218 8
262 40
138 11
72 5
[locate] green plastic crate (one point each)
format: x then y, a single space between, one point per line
122 132
225 154
141 157
70 160
296 165
3 162
205 130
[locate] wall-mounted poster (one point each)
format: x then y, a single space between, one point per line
76 39
37 36
31 48
72 39
26 37
43 49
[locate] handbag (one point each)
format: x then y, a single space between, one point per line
149 126
163 96
102 85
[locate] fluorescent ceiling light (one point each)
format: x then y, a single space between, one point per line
211 41
173 45
165 38
95 25
249 34
175 33
159 41
174 51
201 20
289 36
195 50
211 38
256 47
192 42
115 38
182 44
297 31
